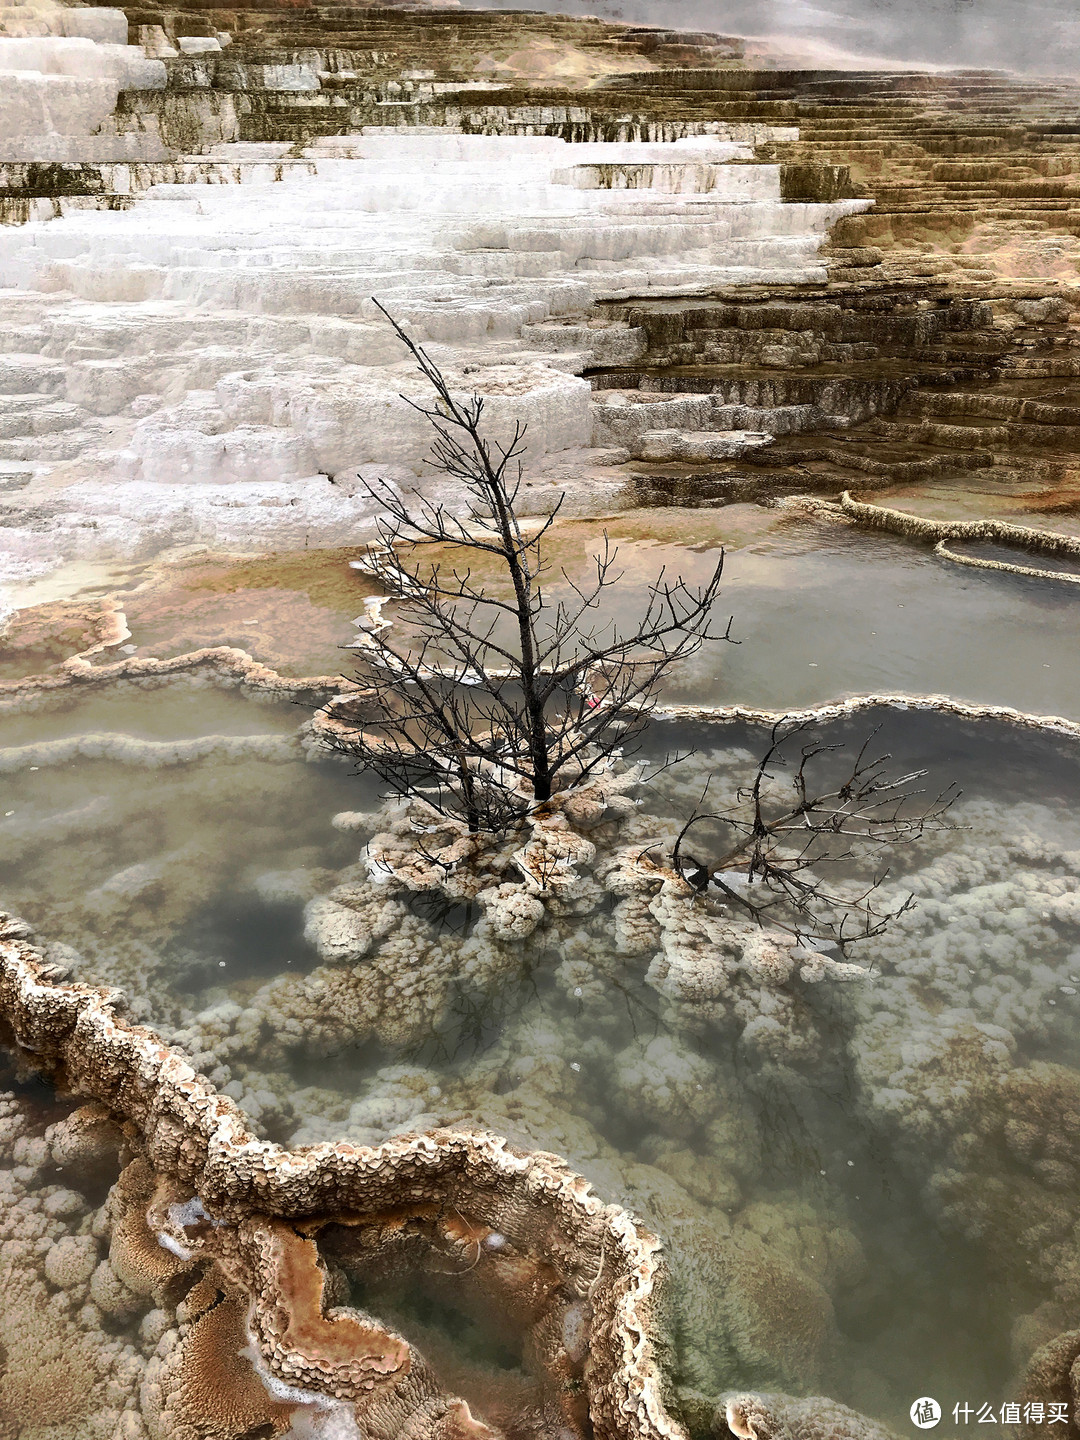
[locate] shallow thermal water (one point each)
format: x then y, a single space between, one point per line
178 707
854 618
135 821
822 612
865 1190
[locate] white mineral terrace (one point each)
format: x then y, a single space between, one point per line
207 366
60 74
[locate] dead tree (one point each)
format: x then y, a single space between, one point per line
775 840
490 704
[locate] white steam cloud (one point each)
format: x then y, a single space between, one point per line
1037 37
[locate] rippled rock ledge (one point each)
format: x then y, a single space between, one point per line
246 1249
206 1196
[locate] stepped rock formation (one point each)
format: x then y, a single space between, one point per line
232 351
880 264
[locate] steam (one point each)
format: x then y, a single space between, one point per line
1038 37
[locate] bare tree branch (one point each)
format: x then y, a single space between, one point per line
769 869
481 725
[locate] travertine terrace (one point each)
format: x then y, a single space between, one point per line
287 1071
535 198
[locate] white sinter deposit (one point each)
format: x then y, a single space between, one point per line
207 366
61 71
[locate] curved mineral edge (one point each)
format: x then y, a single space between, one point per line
330 691
197 1143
